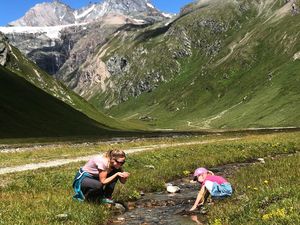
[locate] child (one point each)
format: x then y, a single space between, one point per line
217 186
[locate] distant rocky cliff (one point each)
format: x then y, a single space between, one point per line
61 40
3 50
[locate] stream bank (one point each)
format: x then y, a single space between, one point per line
164 208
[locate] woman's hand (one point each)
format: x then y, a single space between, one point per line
123 174
123 177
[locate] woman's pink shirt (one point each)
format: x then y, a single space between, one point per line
95 164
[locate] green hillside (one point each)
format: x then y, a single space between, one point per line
220 64
27 111
23 67
33 104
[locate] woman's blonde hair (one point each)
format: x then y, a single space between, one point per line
115 154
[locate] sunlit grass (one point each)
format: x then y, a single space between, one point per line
265 194
37 197
65 151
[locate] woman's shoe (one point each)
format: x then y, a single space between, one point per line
107 201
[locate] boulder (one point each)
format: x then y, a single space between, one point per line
261 160
173 189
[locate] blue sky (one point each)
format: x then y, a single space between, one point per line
14 9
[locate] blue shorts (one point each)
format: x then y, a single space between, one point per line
219 190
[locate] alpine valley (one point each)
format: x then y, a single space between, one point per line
217 64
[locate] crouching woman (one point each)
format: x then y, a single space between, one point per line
96 180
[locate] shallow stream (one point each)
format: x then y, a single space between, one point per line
164 208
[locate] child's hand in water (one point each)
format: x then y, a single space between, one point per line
193 208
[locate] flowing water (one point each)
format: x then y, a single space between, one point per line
164 208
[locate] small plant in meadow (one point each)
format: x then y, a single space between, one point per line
186 172
217 222
134 195
279 213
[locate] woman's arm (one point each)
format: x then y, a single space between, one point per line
104 179
200 197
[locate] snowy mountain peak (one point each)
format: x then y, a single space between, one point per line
47 14
57 13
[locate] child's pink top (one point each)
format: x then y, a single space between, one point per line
95 164
213 178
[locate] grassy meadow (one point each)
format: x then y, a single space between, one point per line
265 193
237 69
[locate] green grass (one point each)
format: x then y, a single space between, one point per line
27 111
265 194
67 150
37 197
257 86
19 65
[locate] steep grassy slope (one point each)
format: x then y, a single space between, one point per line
21 66
27 111
221 64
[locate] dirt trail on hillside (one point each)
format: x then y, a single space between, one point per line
61 162
281 12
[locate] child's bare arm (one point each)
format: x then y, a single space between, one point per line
200 198
210 172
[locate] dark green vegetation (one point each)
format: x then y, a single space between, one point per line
33 104
38 197
221 64
27 111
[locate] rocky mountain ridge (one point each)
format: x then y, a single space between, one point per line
57 13
48 32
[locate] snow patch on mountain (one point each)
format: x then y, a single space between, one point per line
52 32
150 5
84 13
168 15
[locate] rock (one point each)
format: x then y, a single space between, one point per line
168 184
117 65
261 160
3 50
203 211
62 216
3 56
121 219
296 56
173 189
145 118
131 205
149 166
186 180
170 203
118 209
